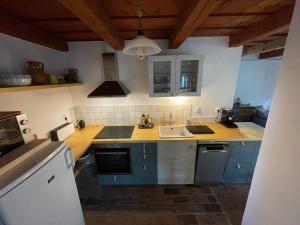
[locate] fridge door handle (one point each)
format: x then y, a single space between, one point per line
69 158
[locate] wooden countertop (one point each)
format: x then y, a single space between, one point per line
81 140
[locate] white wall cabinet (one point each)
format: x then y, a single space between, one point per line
175 75
176 162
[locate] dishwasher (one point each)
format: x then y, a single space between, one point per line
211 162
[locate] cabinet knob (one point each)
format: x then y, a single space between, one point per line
238 166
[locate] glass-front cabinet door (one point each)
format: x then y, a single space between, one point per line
188 75
162 76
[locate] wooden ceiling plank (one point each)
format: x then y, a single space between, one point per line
19 29
271 54
274 24
94 16
265 46
196 12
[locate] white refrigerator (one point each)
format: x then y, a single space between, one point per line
44 195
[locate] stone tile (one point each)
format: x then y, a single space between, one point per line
189 219
208 219
171 191
212 207
181 199
166 219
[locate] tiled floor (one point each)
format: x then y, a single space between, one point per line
158 205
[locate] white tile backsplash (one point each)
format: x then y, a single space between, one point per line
130 114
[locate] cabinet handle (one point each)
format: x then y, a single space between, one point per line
145 156
238 166
243 143
145 167
115 178
144 148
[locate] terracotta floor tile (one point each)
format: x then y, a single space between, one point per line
189 219
171 191
166 219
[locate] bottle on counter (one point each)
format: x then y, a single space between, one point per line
143 120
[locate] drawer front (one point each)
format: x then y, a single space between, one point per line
239 162
144 148
237 171
115 179
144 168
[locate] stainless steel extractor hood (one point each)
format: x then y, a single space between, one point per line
112 86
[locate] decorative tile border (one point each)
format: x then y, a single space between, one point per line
130 114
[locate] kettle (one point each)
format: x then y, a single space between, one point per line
80 124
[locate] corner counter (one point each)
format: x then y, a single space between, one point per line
81 140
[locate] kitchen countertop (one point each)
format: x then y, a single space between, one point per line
81 140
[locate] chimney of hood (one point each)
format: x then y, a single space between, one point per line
112 86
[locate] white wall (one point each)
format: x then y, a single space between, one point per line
45 108
220 74
257 79
274 195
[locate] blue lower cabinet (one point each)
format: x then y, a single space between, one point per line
115 179
241 161
145 169
255 150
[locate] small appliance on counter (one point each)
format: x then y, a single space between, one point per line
146 122
80 124
61 132
227 117
14 131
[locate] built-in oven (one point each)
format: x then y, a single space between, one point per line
14 131
112 159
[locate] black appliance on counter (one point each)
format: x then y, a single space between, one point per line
112 159
14 131
227 117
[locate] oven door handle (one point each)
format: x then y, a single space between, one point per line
111 153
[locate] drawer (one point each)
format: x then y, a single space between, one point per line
115 179
144 148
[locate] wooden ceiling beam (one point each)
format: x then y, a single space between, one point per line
14 27
274 24
271 54
196 12
92 13
265 46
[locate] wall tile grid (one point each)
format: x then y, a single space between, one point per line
130 114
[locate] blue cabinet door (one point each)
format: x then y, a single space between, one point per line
144 163
255 147
239 163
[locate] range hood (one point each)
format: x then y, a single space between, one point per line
112 86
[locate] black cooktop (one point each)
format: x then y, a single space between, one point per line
200 129
115 132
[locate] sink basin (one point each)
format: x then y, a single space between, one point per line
174 132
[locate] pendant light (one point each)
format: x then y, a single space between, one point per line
141 46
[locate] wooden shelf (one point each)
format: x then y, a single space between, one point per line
36 87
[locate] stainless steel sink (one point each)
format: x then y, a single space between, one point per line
174 132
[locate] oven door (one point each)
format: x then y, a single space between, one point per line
113 160
10 135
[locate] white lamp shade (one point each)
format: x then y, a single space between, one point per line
148 46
